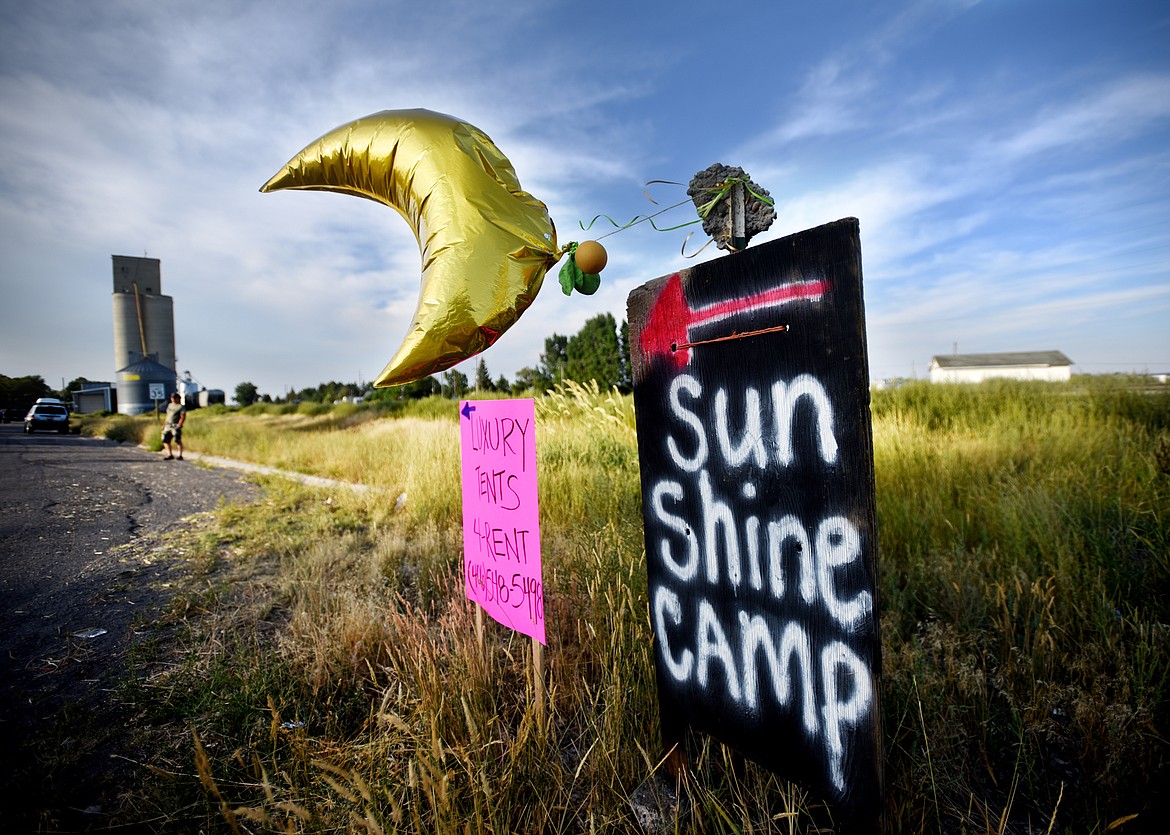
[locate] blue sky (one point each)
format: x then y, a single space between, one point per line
1009 161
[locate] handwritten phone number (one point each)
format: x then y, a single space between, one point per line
518 591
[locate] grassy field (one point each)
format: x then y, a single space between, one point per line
327 676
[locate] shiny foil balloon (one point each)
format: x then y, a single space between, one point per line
486 243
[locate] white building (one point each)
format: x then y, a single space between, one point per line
1052 366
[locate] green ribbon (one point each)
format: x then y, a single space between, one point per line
618 227
573 278
724 188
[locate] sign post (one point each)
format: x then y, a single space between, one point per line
157 392
501 524
751 392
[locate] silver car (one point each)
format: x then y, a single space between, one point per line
47 416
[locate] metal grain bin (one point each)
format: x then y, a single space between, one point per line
134 386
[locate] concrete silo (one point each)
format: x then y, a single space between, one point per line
144 333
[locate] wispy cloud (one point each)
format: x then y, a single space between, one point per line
987 195
1111 113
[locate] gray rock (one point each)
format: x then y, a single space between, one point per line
705 186
659 804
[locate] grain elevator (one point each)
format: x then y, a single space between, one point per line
144 335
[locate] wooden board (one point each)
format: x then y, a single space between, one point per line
756 459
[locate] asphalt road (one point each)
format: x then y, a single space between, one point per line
70 600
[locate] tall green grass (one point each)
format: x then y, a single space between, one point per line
1025 592
1025 537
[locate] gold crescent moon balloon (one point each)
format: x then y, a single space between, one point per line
486 243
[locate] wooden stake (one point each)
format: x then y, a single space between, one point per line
479 634
738 221
538 682
675 761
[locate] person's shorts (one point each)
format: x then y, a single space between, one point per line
175 435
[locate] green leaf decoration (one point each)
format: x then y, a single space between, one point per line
588 284
573 278
568 275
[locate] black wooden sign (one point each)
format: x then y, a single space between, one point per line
751 390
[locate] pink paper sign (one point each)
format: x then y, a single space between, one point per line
501 526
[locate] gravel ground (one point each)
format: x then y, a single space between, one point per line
91 543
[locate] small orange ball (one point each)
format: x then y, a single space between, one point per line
591 257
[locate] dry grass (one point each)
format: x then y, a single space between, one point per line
1025 588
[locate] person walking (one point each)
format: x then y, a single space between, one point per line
173 427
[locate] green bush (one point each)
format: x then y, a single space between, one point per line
120 428
310 407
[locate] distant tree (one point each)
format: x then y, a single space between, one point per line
335 390
526 380
625 371
552 362
75 384
455 384
594 353
502 383
407 391
246 394
483 378
422 388
19 392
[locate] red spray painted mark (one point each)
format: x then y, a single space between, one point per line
671 318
